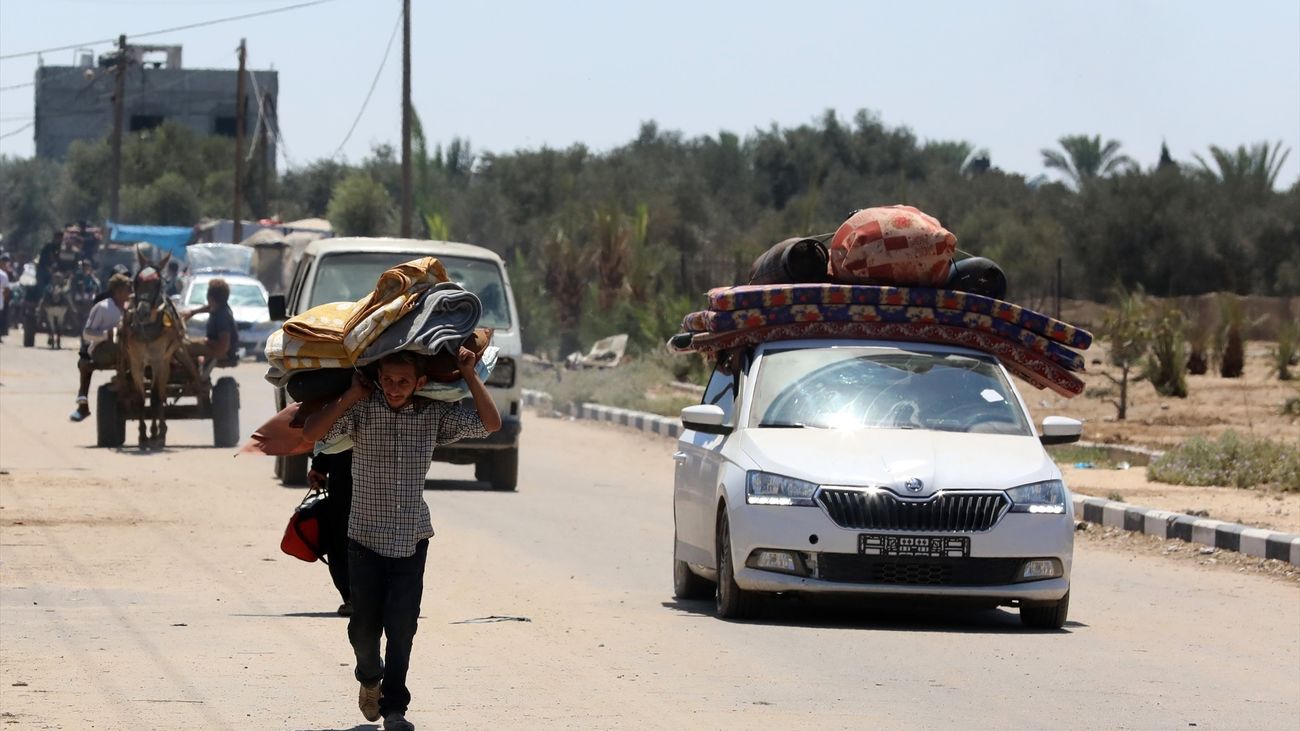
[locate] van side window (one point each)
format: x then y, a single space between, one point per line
721 391
299 278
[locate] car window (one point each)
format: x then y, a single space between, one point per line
884 388
351 276
242 294
721 391
299 277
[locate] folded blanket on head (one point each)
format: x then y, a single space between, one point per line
446 315
288 354
323 323
396 294
281 436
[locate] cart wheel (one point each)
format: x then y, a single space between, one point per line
110 427
29 333
292 470
225 412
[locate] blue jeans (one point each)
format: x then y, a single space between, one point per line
386 596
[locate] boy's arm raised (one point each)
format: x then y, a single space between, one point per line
319 423
487 408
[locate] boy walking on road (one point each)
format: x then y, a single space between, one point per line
394 435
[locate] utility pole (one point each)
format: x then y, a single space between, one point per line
264 122
239 143
406 119
119 91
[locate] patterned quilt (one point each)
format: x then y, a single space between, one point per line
727 299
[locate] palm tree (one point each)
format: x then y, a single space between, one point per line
1246 172
1086 158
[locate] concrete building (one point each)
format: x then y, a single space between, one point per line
76 102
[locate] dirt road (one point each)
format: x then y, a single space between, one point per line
148 591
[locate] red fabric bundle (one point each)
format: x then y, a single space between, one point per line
897 245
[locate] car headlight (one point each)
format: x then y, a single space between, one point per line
765 488
503 375
1038 497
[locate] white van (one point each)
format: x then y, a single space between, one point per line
342 269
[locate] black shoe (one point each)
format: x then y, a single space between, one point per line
345 609
82 411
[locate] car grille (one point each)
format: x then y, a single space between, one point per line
943 513
851 568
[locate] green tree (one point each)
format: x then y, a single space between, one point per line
1167 362
169 200
28 188
1085 158
1248 173
1125 333
361 207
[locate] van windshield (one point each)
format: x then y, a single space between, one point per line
349 277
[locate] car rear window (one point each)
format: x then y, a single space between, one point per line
351 276
241 294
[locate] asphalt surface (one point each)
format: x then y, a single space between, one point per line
147 590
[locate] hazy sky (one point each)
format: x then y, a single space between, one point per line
1011 76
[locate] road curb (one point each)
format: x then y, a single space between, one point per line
1165 524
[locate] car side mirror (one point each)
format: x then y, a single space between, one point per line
277 307
707 418
1060 430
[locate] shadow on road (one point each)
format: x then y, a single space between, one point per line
860 615
170 448
362 727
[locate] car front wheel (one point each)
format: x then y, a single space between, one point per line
733 602
1046 616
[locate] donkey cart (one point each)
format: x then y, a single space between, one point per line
117 402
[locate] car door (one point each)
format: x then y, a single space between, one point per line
699 464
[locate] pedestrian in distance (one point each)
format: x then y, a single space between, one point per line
98 348
394 435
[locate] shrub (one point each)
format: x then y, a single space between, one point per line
1234 356
1285 353
1233 460
1166 364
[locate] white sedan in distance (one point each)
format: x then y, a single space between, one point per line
871 468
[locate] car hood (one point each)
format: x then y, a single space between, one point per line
252 315
890 457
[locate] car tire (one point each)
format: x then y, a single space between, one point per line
504 470
110 427
483 470
1046 616
732 601
225 412
688 585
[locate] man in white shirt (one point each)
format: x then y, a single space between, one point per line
98 349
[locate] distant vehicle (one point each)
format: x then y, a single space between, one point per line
248 298
871 468
346 269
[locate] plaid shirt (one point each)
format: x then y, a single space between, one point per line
391 454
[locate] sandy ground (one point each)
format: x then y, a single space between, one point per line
1248 405
146 590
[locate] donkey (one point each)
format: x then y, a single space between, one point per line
153 335
53 306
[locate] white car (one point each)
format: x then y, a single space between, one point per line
248 303
871 468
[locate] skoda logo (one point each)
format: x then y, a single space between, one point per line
913 485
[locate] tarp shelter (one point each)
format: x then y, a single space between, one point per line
166 238
268 263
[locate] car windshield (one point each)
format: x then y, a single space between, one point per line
349 277
242 294
884 388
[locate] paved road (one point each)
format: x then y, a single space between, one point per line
148 591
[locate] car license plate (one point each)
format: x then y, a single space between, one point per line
870 544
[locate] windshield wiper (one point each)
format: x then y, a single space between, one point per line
781 425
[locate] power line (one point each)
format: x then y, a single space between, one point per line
11 87
190 26
375 82
11 133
